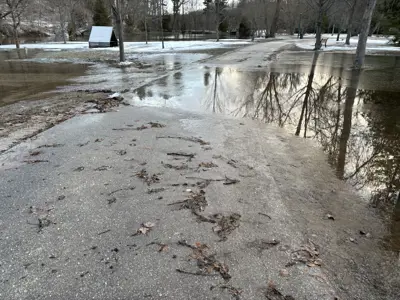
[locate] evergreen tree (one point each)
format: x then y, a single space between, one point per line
101 16
391 21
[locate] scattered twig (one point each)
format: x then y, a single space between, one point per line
103 168
83 144
35 153
36 161
154 191
112 200
184 154
229 181
124 129
207 262
103 232
204 179
263 214
198 273
50 146
79 169
156 125
142 174
123 189
189 139
84 274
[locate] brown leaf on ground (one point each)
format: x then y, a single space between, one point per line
145 228
207 165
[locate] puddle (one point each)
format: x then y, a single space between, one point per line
104 76
24 79
353 117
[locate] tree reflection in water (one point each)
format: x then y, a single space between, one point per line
359 129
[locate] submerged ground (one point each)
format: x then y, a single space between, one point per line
175 197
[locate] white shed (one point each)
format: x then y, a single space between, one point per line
102 36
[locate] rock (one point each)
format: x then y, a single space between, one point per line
284 273
116 96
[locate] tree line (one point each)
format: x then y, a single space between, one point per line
245 18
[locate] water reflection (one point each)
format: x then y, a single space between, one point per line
355 122
21 79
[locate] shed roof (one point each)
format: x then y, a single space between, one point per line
101 34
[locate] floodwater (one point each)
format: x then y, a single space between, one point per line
138 37
354 117
22 79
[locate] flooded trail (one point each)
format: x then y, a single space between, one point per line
359 132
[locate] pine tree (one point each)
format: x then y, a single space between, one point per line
101 16
391 24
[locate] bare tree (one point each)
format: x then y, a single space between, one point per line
275 19
116 7
362 39
322 7
15 9
352 4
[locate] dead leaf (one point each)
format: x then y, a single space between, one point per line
330 217
145 228
163 248
149 225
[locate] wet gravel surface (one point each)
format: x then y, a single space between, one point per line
150 203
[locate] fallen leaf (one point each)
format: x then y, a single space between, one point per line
149 224
163 248
330 217
284 273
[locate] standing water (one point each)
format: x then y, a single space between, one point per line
353 117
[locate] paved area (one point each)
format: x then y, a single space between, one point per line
250 212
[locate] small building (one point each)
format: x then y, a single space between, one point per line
102 37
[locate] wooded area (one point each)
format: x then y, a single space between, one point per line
244 18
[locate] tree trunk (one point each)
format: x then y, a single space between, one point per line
318 37
275 19
161 23
145 21
347 122
308 92
333 30
363 36
217 30
116 11
350 21
338 34
15 29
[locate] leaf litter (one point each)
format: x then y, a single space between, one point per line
144 229
207 263
307 254
142 174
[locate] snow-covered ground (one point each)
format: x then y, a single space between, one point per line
139 47
374 43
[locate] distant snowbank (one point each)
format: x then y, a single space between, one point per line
374 43
138 47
